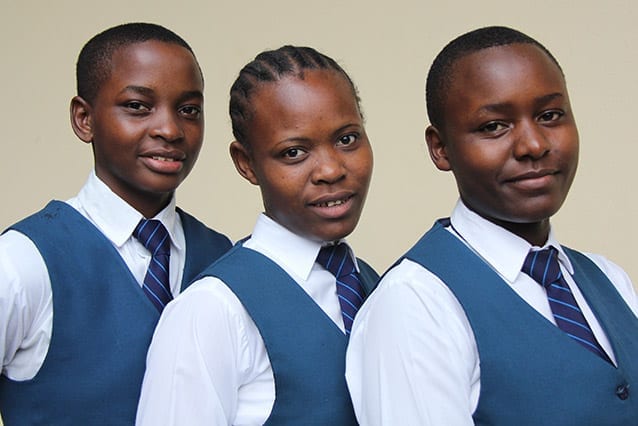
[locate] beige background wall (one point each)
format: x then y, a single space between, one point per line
387 48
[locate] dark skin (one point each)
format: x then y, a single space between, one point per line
146 123
309 154
509 136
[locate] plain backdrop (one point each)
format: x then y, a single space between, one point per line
387 48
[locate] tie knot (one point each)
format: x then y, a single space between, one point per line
336 259
542 265
153 235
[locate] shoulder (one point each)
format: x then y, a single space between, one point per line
210 310
618 278
22 268
408 291
190 223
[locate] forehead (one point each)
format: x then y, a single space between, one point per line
503 74
297 90
320 99
157 63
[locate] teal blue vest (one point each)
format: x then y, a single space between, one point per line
531 372
102 323
305 347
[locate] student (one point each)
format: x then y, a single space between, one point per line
261 337
456 333
77 305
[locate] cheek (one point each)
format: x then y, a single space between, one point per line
362 164
279 188
568 148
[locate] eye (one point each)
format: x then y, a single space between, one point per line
552 115
136 106
348 139
191 111
293 153
493 127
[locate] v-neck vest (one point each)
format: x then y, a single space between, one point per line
531 372
305 347
102 322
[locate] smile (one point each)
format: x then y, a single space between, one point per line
158 158
333 203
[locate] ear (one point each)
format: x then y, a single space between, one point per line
437 148
81 119
243 162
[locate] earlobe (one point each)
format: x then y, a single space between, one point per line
81 120
437 148
243 163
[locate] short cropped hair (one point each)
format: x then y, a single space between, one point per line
271 66
439 77
94 62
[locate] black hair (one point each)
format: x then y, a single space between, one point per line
270 66
94 62
440 75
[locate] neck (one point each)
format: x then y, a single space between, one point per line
535 233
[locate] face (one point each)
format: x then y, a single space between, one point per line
146 123
508 136
309 153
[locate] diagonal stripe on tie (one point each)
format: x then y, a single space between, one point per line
337 260
543 267
154 236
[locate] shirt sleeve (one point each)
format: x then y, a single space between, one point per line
412 358
195 360
26 307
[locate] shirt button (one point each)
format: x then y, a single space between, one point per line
622 392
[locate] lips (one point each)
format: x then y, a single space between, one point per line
533 179
332 200
164 161
160 158
533 174
331 203
333 206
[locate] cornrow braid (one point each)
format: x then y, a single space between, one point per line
270 66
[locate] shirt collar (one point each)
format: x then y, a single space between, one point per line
296 254
504 251
115 217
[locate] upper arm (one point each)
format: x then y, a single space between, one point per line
412 358
619 279
26 308
194 361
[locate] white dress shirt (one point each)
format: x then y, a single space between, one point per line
413 334
207 364
26 306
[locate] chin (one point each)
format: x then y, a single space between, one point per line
336 234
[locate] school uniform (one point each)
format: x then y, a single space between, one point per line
246 316
84 364
442 358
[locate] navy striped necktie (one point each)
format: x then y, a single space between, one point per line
337 260
154 236
543 267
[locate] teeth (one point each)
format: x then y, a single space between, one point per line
162 158
333 203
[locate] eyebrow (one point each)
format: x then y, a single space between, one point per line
145 91
304 139
541 100
346 127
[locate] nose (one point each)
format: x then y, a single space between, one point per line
166 125
328 167
531 141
